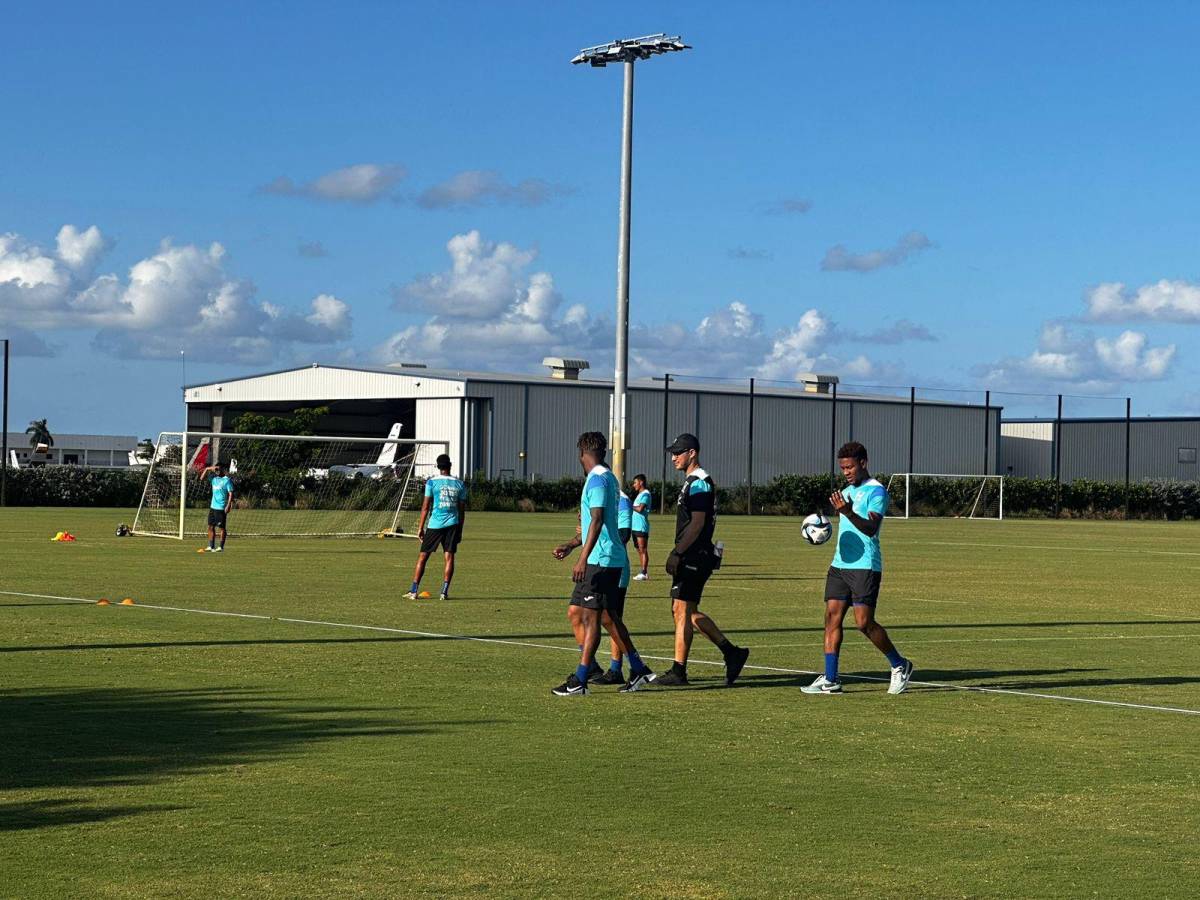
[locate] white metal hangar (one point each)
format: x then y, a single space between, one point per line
525 426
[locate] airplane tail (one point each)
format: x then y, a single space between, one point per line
387 456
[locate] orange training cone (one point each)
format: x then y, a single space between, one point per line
102 602
128 601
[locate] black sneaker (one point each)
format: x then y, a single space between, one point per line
570 688
595 673
609 677
637 682
733 663
671 678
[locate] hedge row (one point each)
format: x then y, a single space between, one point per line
785 495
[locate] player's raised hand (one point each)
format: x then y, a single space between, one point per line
838 501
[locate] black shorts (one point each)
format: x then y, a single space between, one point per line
643 535
624 533
598 588
691 576
616 604
447 538
216 518
857 586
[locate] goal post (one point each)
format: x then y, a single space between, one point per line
926 494
288 485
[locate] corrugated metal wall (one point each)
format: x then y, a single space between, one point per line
1095 449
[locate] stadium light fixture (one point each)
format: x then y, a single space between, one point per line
626 51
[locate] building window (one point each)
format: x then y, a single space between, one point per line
1187 455
70 459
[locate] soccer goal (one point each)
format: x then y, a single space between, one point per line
288 485
914 494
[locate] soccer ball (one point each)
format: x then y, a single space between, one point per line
816 529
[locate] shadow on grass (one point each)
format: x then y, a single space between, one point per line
100 738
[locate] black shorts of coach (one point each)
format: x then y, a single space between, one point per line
447 538
690 578
216 518
857 586
598 588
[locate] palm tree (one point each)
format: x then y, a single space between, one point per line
39 433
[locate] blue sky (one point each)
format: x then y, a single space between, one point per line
951 195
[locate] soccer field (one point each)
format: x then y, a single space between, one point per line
155 750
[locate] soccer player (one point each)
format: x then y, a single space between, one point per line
641 525
857 571
616 609
597 573
218 507
691 562
441 524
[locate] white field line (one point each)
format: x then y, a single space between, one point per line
816 641
1070 549
485 640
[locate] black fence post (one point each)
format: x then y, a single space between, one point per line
987 428
750 457
1058 434
833 440
912 427
662 500
1128 434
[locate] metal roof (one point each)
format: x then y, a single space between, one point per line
19 440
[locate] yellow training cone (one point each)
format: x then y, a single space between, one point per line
424 595
128 601
102 602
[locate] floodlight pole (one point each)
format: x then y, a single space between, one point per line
4 433
621 376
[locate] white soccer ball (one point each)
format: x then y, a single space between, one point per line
816 529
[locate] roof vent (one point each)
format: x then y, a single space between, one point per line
407 365
565 369
817 384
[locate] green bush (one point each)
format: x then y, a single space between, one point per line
74 486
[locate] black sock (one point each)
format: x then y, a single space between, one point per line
678 669
725 647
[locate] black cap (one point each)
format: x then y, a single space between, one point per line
443 461
683 443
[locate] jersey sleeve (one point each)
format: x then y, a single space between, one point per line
594 494
877 501
429 487
462 492
700 497
643 499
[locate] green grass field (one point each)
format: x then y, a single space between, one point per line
168 753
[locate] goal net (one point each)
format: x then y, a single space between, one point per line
914 494
288 486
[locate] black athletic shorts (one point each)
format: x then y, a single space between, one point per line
447 538
616 603
598 588
691 576
216 518
644 535
624 533
857 586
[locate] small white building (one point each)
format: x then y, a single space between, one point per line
101 451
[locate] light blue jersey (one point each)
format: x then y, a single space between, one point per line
445 493
601 491
854 549
625 512
641 521
222 487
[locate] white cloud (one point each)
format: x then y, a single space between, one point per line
481 187
1128 356
839 259
362 183
1066 359
80 250
797 350
1165 301
485 279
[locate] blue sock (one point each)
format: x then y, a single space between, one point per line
615 665
415 585
446 587
581 672
831 663
636 666
895 659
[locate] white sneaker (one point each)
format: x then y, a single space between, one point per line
641 576
901 675
218 549
823 686
411 595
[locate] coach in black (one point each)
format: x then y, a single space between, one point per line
692 561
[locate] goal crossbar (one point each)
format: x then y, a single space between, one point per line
911 495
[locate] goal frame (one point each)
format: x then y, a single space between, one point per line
983 480
184 466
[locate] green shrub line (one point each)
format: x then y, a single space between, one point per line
784 495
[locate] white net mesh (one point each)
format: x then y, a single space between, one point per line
285 486
945 496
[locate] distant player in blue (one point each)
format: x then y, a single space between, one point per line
218 508
441 524
641 525
597 573
857 572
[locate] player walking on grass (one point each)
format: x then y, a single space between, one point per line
617 608
597 573
219 506
641 525
443 513
857 571
691 562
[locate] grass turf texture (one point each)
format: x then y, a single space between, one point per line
150 752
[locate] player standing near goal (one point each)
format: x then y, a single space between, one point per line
443 513
218 508
597 573
641 525
857 572
691 562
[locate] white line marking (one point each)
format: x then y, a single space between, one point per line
1066 637
1071 549
485 640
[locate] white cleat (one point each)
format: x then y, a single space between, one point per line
641 576
411 595
901 675
822 685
